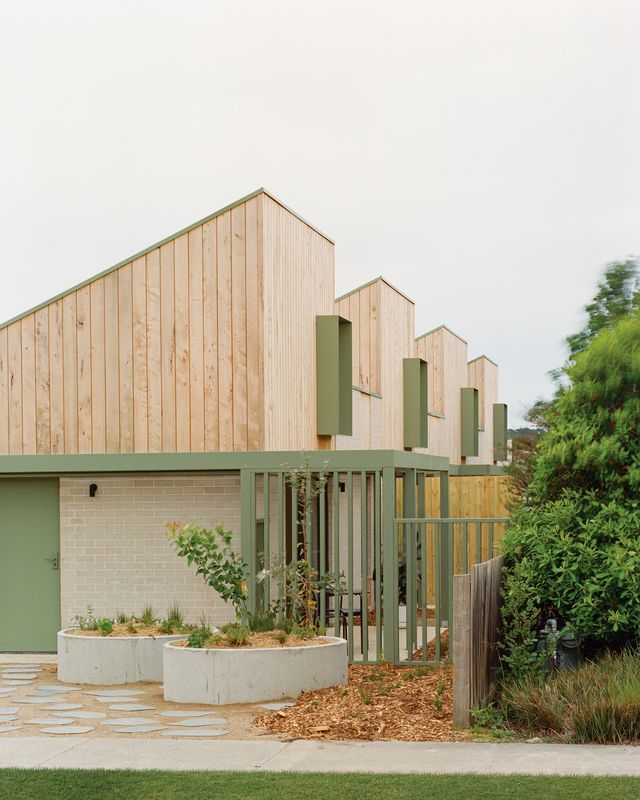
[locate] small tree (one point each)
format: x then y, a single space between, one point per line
215 561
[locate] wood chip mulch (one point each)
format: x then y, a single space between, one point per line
381 702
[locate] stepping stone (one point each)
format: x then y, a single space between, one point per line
24 675
276 706
62 707
208 732
130 721
19 672
48 721
80 714
3 720
21 682
184 713
142 729
34 700
112 699
201 722
9 728
7 711
51 687
130 707
68 729
115 692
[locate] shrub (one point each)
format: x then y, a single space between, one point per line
175 617
199 638
148 616
105 626
88 623
598 702
575 559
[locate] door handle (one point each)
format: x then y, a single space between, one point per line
54 558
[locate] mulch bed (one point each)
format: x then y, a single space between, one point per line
381 702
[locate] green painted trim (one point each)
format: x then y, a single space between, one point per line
167 239
477 358
362 390
439 328
466 470
415 402
500 431
469 417
275 461
333 375
370 283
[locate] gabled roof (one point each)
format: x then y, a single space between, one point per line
370 283
154 246
439 328
477 358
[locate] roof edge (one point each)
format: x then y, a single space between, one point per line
441 327
483 355
154 246
370 283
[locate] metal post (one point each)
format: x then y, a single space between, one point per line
389 567
445 580
248 532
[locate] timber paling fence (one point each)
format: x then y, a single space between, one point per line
476 614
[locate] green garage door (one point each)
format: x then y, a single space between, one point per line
29 565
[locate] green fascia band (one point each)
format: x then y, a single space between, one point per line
274 461
469 419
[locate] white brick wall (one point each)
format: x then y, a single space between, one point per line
114 550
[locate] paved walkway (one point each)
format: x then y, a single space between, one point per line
311 756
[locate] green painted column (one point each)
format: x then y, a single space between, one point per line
389 567
445 546
248 532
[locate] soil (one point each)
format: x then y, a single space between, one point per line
122 629
381 702
266 639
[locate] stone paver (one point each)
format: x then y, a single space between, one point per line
201 732
71 729
198 722
130 707
9 728
113 692
49 721
62 707
79 714
183 713
143 729
129 721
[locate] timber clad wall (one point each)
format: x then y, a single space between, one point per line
206 342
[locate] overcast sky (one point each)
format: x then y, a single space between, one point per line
483 156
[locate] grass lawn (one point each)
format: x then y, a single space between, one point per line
61 784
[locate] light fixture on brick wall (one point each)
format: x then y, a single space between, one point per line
93 488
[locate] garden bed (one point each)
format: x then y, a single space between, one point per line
223 675
381 702
88 657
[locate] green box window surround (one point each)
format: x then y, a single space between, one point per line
500 432
469 422
333 375
415 402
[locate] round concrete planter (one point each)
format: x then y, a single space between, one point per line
225 675
105 660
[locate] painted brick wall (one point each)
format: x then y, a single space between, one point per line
114 550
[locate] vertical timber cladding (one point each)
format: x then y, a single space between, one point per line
500 432
469 422
29 564
333 379
415 401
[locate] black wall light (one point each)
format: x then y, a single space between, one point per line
93 488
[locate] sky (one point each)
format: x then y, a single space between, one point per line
483 157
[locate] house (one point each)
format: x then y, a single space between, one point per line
179 384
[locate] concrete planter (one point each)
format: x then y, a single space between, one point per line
225 675
104 660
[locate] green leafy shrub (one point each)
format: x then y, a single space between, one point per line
105 626
237 635
215 560
199 638
166 626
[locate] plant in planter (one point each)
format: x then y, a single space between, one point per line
262 656
124 649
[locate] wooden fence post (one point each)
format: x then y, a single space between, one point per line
461 650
